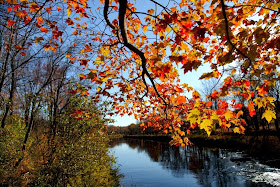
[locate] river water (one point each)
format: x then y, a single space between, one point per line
153 163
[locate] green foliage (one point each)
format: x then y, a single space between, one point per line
73 153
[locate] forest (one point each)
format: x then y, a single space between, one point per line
68 67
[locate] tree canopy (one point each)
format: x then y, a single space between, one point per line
133 56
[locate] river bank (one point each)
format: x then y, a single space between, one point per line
146 162
265 148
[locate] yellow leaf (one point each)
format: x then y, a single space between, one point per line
104 51
168 29
228 115
268 115
233 72
182 133
236 130
259 102
214 116
194 112
270 100
105 79
98 89
240 113
69 11
184 46
239 130
194 120
145 28
207 126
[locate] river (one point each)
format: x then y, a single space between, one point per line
153 163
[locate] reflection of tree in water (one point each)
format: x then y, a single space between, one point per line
209 165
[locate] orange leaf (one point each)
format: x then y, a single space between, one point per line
39 21
10 22
181 100
209 103
44 30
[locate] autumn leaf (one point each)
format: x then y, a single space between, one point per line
209 103
69 21
269 115
239 130
82 76
10 22
181 100
39 22
228 115
196 95
209 75
207 126
44 30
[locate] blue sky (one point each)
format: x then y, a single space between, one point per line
191 78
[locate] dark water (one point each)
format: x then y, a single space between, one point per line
153 163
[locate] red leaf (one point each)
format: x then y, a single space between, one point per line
209 103
44 30
84 62
238 106
10 22
73 92
9 9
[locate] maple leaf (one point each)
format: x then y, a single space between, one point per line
207 126
239 130
238 106
228 115
10 22
69 21
190 65
84 62
196 95
44 30
269 115
209 103
39 21
82 76
181 100
209 75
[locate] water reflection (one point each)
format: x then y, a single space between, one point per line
208 167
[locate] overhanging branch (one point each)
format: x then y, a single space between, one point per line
228 34
122 25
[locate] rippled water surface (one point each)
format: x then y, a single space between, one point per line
153 163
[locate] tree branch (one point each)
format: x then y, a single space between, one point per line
228 35
105 14
122 24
